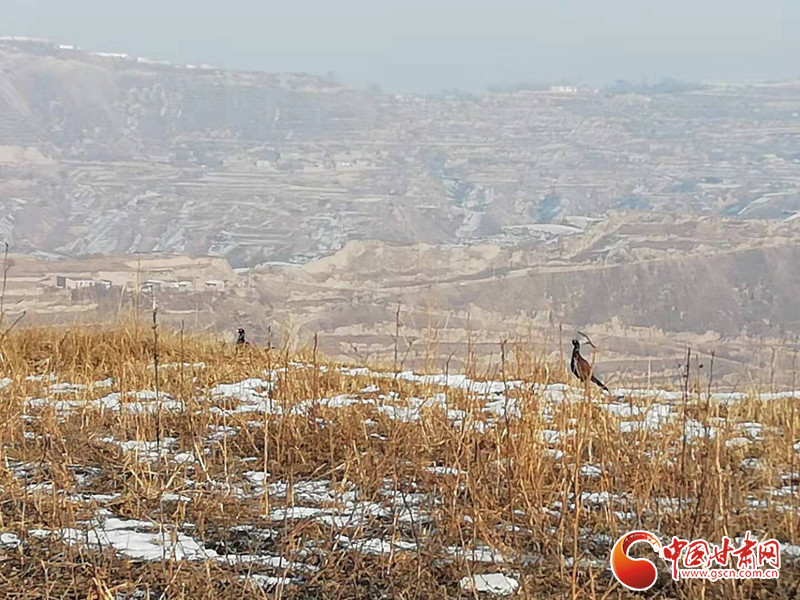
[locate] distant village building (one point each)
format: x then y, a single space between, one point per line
564 89
179 286
151 284
73 283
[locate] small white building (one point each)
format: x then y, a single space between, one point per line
564 89
151 285
73 283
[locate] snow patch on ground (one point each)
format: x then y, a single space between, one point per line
138 540
9 541
491 583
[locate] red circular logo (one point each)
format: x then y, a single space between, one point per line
634 573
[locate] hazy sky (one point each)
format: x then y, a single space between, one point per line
436 44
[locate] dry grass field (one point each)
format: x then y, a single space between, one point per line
225 473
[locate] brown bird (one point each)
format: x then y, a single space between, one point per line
240 341
581 368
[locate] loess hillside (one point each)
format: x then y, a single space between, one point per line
110 153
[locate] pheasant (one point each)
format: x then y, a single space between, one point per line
581 368
240 341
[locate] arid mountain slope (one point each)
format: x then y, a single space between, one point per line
651 220
709 283
714 286
105 153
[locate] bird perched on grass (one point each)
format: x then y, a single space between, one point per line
241 341
581 368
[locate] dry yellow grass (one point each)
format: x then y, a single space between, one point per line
339 483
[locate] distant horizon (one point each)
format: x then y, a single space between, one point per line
434 45
490 86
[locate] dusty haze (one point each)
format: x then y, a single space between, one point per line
432 45
649 216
